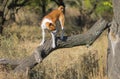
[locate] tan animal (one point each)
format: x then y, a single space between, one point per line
49 23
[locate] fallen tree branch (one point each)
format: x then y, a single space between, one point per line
42 51
10 62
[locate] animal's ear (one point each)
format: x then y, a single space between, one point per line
50 24
51 27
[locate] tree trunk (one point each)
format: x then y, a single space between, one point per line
1 21
5 7
43 7
2 8
114 44
43 51
3 12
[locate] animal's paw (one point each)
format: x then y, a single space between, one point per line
62 38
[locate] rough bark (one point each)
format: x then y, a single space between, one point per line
2 8
43 51
59 2
114 44
43 5
1 21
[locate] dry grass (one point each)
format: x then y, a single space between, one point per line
69 63
77 62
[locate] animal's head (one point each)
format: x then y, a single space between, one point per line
61 8
50 26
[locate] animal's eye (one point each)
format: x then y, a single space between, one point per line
50 24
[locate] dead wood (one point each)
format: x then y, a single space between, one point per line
42 52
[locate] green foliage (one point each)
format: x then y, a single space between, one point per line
87 4
107 3
103 8
38 3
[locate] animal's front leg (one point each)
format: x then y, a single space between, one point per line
62 19
43 37
62 35
53 39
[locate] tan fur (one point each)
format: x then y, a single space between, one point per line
50 26
55 15
49 22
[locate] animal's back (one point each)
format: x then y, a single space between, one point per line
53 15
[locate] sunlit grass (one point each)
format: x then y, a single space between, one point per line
68 63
